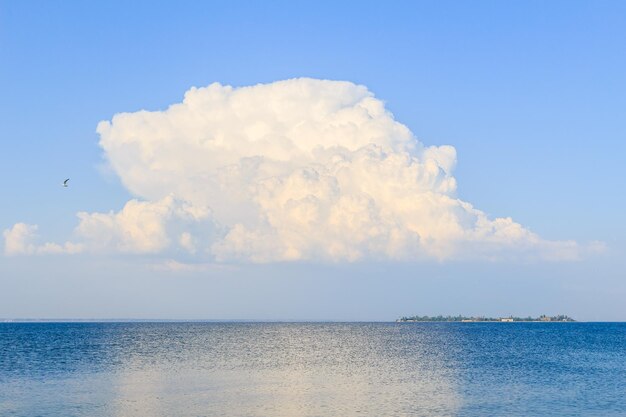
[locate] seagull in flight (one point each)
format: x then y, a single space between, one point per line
65 182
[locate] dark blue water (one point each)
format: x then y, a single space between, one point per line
310 369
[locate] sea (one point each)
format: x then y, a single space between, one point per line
175 369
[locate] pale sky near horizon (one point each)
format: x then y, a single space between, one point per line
370 160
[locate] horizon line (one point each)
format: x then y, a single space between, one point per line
202 320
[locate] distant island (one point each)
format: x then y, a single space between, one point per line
542 318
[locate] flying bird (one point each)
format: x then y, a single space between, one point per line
65 182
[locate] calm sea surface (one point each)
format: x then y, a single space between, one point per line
311 369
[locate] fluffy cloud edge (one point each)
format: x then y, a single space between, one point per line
23 240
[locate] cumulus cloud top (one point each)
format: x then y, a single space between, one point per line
301 169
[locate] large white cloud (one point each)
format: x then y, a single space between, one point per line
301 169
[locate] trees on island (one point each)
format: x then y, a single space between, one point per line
441 318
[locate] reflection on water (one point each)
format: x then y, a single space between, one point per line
291 370
311 369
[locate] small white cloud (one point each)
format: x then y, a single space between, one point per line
21 239
301 169
186 241
18 239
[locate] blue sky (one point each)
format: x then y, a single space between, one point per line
531 95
